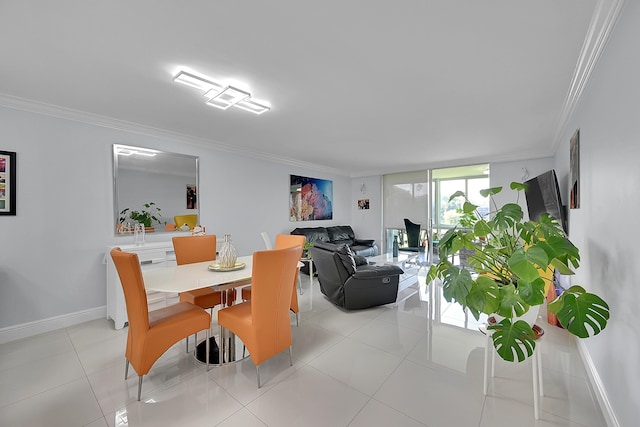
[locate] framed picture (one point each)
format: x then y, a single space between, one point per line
310 199
192 196
574 166
7 183
363 204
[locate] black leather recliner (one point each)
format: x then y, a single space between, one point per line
350 282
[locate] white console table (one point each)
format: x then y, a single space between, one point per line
152 255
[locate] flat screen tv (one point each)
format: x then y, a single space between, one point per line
543 196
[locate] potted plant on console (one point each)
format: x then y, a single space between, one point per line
509 271
147 216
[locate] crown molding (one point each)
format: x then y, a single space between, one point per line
602 24
64 113
515 157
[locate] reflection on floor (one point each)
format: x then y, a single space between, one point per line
399 365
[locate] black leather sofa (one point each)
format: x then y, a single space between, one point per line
337 236
350 282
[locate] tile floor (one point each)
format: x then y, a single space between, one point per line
387 366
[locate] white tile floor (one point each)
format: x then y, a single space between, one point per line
386 366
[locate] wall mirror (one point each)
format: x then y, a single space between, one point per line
143 176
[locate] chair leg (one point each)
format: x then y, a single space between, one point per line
139 387
290 356
258 375
126 368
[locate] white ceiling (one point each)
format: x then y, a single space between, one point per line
361 87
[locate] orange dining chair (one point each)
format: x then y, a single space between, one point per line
151 333
190 249
262 323
284 241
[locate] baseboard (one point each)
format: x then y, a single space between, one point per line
25 330
597 385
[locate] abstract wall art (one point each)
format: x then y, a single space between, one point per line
310 199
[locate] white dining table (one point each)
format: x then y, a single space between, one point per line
187 277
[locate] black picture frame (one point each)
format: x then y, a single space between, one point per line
7 182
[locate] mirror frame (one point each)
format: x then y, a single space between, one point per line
116 191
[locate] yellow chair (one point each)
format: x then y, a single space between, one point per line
284 241
262 323
190 219
190 249
152 333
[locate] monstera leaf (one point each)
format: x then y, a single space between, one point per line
577 308
456 284
484 296
513 340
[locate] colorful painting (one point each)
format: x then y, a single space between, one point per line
7 183
310 199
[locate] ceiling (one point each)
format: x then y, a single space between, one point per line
358 87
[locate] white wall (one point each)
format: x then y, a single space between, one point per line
604 228
51 252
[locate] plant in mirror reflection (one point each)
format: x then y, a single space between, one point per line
148 215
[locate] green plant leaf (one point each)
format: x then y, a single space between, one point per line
579 312
522 266
532 292
507 216
481 228
561 267
456 284
538 256
518 186
560 248
437 270
513 340
469 207
484 296
456 194
511 304
490 191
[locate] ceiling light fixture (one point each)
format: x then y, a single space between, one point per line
229 97
253 106
221 96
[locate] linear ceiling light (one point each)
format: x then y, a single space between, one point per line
253 106
194 81
228 97
221 96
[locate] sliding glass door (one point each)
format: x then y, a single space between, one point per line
423 198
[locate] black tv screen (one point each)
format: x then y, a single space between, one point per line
543 196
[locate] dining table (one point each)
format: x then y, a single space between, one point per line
207 274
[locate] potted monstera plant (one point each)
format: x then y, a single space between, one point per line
509 272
